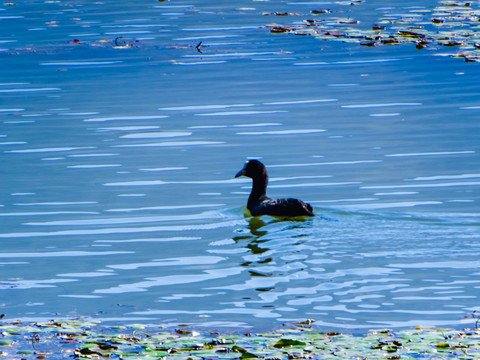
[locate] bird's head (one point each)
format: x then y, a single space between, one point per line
252 169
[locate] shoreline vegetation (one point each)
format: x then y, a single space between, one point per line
86 339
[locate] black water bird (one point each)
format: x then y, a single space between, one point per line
258 202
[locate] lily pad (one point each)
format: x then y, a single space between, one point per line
288 342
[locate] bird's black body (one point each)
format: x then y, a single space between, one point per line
260 204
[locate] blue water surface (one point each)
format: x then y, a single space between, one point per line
122 126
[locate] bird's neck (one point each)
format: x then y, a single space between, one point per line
259 188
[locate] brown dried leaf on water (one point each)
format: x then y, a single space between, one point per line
279 29
69 341
348 21
420 45
368 43
334 34
276 14
349 3
411 34
183 332
306 322
452 43
42 355
456 3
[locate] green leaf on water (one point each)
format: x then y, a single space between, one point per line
6 342
25 352
288 342
239 349
247 355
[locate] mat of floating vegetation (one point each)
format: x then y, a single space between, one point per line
92 340
453 26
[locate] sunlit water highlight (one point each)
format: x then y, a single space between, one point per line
118 199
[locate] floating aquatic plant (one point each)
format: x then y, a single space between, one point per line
91 340
451 24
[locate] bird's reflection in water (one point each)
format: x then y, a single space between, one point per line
257 230
253 239
256 223
267 240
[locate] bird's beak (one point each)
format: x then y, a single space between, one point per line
241 173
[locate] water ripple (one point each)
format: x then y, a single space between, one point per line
125 118
446 177
298 102
27 90
122 230
55 149
154 240
80 63
181 261
433 185
360 106
155 135
283 132
172 143
389 205
44 254
203 107
240 113
165 207
437 153
355 162
32 284
170 280
132 220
